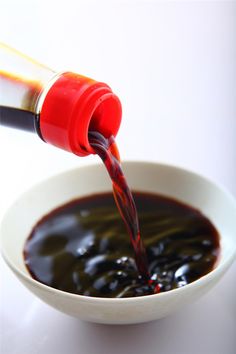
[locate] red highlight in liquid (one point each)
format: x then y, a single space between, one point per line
109 153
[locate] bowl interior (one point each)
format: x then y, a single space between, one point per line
185 186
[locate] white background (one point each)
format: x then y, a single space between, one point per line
173 66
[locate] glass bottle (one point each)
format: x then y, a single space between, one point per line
60 107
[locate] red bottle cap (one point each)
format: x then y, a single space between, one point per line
74 105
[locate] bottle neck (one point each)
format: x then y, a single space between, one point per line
63 110
19 103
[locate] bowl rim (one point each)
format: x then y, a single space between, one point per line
218 268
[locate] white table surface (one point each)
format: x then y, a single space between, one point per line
173 66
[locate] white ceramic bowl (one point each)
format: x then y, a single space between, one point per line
212 200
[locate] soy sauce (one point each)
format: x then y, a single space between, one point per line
82 247
108 152
19 119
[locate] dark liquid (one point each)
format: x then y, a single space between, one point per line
83 248
108 152
19 119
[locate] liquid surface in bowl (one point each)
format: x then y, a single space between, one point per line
83 248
